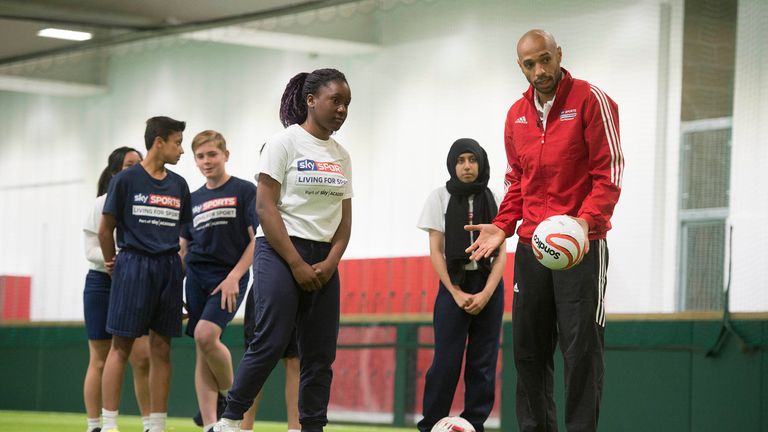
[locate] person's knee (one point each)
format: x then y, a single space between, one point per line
139 362
207 335
97 364
139 358
272 341
160 348
98 352
121 348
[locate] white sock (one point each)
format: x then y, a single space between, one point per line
231 423
246 430
93 423
157 422
208 427
289 430
145 423
109 418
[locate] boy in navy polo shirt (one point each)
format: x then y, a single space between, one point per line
217 248
148 205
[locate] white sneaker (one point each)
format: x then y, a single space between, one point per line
227 425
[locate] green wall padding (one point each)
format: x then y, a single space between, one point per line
657 376
45 367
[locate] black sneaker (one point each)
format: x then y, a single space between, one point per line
198 419
221 405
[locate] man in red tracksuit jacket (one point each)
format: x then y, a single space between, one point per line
564 155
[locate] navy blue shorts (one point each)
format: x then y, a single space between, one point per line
96 304
249 327
146 295
202 279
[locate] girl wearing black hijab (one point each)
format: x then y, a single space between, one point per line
470 301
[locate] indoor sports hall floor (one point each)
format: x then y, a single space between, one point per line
13 421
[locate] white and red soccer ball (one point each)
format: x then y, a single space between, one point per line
453 424
559 242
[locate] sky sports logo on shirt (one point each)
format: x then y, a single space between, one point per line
310 165
215 203
160 206
164 201
158 200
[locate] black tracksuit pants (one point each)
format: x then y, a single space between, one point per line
566 307
456 330
280 306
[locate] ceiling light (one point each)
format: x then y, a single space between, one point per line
64 34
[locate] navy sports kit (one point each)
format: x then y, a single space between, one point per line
217 236
147 278
96 303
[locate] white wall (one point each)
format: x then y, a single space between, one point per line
749 160
446 70
43 189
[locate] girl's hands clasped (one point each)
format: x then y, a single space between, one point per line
324 270
306 276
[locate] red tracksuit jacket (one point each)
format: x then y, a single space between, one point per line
572 167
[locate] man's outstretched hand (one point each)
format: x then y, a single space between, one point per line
490 238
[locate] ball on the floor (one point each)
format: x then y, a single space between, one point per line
453 424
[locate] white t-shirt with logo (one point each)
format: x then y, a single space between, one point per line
315 176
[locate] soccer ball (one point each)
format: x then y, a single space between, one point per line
453 424
559 243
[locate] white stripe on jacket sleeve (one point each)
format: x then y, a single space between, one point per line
612 134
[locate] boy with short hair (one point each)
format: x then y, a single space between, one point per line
148 205
217 249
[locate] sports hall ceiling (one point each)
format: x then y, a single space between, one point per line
111 21
30 63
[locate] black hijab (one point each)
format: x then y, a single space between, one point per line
457 214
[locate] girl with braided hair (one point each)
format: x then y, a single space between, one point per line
304 206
